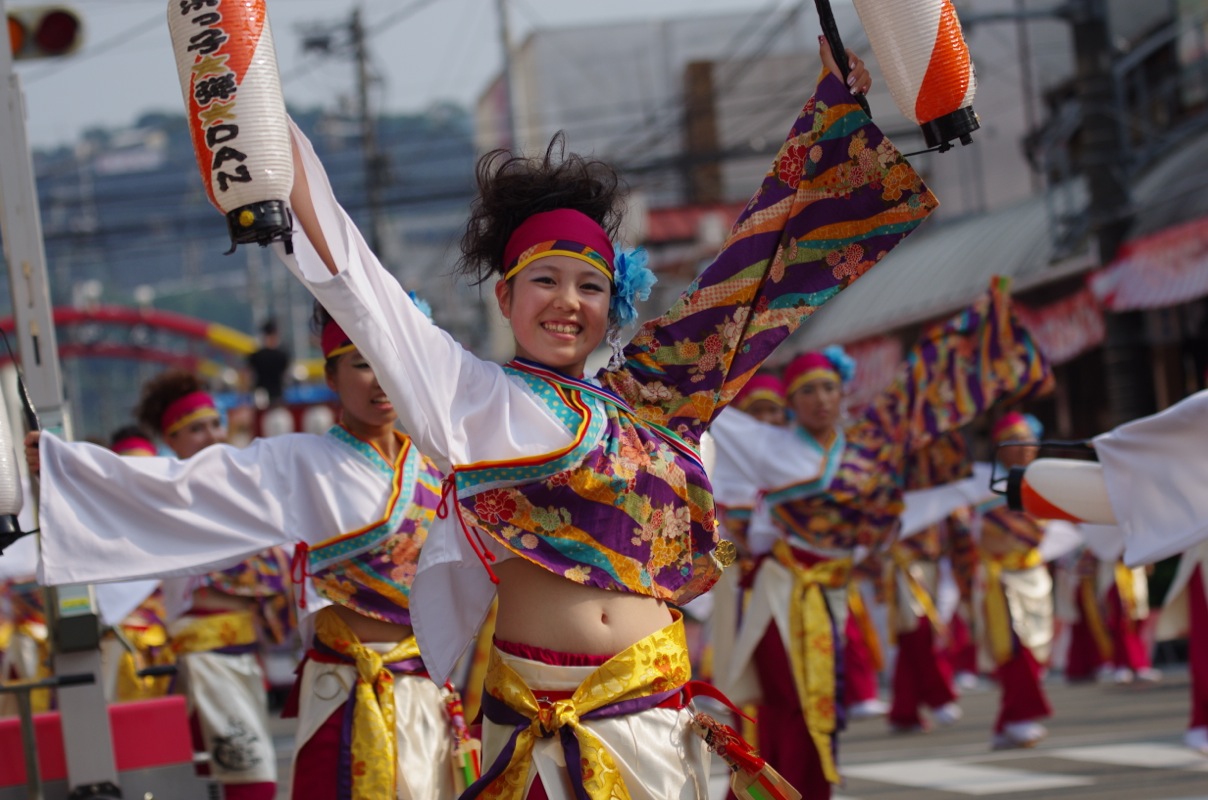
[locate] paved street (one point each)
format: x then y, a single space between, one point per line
1105 742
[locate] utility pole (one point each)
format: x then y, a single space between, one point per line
509 94
373 160
1129 379
324 40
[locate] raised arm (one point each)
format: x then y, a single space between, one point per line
456 407
838 198
957 371
106 517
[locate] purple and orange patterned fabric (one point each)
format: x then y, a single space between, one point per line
376 581
956 372
627 508
265 578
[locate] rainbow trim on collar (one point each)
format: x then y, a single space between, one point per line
186 410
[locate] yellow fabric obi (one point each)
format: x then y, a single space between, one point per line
150 645
1092 615
39 699
902 561
864 624
213 632
998 616
1127 590
639 677
374 747
812 644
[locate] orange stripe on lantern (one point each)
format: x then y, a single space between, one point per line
946 81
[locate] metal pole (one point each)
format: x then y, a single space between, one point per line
86 740
29 741
509 94
372 159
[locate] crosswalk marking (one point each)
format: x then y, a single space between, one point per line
946 775
1140 754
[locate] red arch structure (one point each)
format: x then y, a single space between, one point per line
216 338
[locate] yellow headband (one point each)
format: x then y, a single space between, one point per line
206 412
812 375
536 253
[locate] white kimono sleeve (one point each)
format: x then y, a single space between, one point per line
754 453
106 517
1156 471
458 408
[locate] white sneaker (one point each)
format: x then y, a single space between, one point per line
1106 674
1019 735
946 714
967 681
1149 675
1197 739
1123 676
868 709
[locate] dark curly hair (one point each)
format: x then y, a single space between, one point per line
159 392
513 188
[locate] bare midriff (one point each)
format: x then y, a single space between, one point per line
539 608
368 629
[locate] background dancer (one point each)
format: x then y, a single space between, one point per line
847 493
361 498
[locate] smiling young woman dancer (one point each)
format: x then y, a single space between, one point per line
359 499
585 497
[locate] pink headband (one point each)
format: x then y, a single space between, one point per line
334 341
559 232
761 387
134 446
807 367
1012 426
185 410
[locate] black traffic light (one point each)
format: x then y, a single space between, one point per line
44 31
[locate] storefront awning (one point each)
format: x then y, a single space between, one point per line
1163 269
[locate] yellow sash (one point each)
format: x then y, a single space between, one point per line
1127 591
868 631
150 645
654 665
214 632
1093 618
812 646
6 634
901 566
374 748
998 616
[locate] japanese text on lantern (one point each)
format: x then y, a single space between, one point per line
214 89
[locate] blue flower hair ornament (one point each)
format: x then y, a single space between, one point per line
420 303
632 281
845 365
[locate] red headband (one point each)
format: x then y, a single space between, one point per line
1012 426
134 446
807 367
184 410
763 386
561 231
334 341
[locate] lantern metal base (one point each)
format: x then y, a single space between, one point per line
261 223
10 531
959 124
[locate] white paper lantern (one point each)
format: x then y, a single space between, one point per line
926 64
236 115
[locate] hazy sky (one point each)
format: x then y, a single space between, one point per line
445 50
